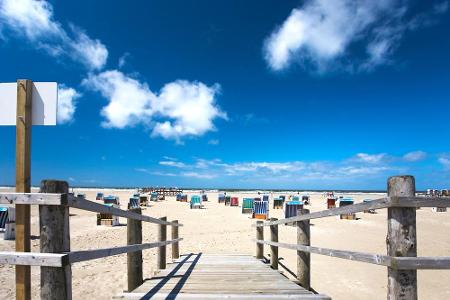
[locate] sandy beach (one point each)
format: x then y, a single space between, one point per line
220 229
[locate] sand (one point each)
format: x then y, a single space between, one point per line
220 229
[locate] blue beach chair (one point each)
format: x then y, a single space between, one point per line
196 202
261 210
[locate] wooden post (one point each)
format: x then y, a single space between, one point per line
23 182
401 239
162 237
303 258
274 249
259 236
134 259
175 246
56 283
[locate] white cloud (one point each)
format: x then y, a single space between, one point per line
415 156
172 163
67 97
322 31
371 158
214 142
445 162
34 20
190 107
182 108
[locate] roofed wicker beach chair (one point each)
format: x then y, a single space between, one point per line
345 202
291 208
278 203
111 200
247 205
134 203
108 219
196 202
8 222
178 197
265 198
204 197
261 210
221 198
234 201
99 196
305 199
227 200
154 196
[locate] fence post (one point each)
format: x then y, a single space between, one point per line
56 283
162 237
303 258
175 246
401 239
259 236
134 259
274 249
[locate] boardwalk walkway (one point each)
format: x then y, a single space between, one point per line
201 276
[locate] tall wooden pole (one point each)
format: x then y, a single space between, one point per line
23 183
259 236
274 249
162 237
175 246
401 239
134 259
303 258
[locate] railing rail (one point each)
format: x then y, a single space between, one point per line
55 258
401 260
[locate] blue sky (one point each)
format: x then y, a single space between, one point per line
248 94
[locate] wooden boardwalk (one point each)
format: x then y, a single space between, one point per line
201 276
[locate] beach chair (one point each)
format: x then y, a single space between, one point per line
305 199
184 198
154 197
221 198
345 202
204 197
111 200
134 203
368 211
234 201
143 200
265 198
261 210
178 197
331 202
196 202
8 222
107 219
247 205
227 200
99 196
291 208
278 203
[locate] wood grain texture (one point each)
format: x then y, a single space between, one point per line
176 245
303 258
259 236
274 249
162 237
23 182
134 259
33 259
33 199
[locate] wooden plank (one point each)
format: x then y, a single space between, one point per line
303 258
376 259
162 237
33 259
23 183
77 256
175 246
219 296
274 249
259 236
419 201
411 263
33 198
348 209
100 208
134 259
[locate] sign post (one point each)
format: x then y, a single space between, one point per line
23 182
25 104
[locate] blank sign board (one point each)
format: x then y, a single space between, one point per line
44 103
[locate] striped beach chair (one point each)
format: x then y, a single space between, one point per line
227 200
345 202
265 198
291 208
196 202
247 205
221 198
261 210
107 219
234 201
8 222
134 203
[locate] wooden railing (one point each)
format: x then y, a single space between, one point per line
401 259
55 257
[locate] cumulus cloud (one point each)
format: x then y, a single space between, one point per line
445 162
322 32
67 97
34 21
371 158
182 108
415 156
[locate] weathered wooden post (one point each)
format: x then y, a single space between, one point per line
134 259
56 283
259 236
274 249
175 246
23 182
162 237
303 258
401 239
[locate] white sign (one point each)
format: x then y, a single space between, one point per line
44 103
